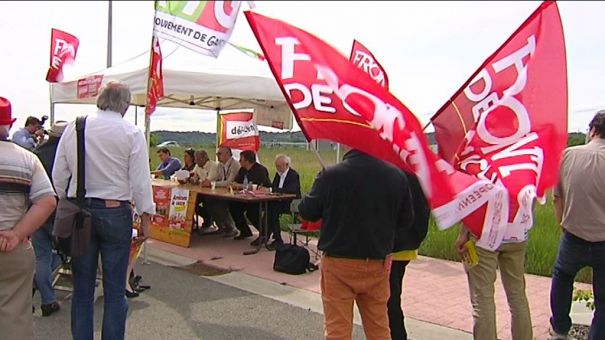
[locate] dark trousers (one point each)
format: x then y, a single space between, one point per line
396 317
575 254
274 210
238 209
203 211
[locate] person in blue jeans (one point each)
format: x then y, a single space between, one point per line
47 261
117 171
579 201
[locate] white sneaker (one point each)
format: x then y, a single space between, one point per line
552 335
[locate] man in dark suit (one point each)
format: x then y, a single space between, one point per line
250 172
286 181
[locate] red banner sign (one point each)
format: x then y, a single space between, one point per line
508 122
63 50
155 88
239 131
89 87
333 99
364 59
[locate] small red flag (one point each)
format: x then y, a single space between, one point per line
365 60
63 50
155 88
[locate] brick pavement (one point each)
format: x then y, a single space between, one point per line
435 291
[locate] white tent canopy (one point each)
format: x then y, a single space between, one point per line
191 80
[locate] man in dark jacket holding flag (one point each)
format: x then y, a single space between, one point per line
360 216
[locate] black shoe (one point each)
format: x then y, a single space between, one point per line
141 288
131 294
50 308
256 242
275 244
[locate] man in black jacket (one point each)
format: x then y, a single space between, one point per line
362 202
250 172
287 181
407 242
46 260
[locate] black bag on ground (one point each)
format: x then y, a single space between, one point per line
292 259
73 221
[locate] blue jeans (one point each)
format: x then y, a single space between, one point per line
575 254
46 262
111 234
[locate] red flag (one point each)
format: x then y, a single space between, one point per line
508 122
155 87
63 50
239 131
333 99
364 59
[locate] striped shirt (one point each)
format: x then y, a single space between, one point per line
22 180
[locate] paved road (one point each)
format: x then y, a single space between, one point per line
182 305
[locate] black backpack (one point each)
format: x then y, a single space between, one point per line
292 259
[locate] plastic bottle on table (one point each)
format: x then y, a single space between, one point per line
245 183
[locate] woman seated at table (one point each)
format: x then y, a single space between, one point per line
188 160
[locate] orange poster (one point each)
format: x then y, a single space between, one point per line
173 218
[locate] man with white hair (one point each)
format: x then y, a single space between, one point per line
117 170
22 181
286 181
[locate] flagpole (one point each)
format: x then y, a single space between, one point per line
109 34
147 116
321 162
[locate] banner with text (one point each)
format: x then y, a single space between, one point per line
203 26
89 87
335 100
508 122
239 131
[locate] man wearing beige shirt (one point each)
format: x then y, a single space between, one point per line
579 201
205 170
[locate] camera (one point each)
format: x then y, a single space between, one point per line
43 120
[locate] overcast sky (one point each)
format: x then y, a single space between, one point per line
429 49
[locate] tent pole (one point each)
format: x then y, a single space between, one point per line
337 153
136 116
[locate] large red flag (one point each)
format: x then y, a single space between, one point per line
333 99
63 50
365 60
508 122
239 131
155 85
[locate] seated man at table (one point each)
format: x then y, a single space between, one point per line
286 181
204 169
252 173
227 169
168 166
